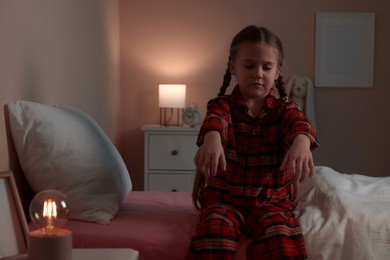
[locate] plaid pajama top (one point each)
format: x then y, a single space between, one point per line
254 149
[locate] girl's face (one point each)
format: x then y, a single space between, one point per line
256 68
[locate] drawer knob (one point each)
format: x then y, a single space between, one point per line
174 190
174 152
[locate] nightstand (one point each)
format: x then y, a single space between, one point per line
104 254
169 157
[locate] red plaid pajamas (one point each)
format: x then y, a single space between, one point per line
252 196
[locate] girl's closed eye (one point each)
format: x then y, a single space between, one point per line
249 66
268 66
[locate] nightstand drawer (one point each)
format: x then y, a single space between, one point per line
172 152
169 157
171 182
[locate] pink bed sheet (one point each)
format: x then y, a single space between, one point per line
157 224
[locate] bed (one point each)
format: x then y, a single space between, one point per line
343 216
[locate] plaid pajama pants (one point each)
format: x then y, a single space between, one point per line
275 234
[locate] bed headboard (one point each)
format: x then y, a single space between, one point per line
25 192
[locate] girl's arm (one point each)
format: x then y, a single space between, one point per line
299 159
299 162
210 155
301 139
212 136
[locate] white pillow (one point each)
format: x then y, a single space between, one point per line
64 149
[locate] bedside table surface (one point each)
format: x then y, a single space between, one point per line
104 254
161 128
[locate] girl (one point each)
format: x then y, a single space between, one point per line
254 150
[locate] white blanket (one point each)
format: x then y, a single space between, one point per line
345 216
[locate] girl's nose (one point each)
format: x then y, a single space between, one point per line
259 73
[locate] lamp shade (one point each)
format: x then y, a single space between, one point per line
172 95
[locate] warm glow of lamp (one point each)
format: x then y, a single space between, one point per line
49 210
172 95
172 98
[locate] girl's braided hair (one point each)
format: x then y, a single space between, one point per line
254 34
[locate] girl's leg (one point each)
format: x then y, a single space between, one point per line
276 234
218 233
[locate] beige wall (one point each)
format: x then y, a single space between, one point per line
61 52
186 42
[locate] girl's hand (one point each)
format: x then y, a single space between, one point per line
210 155
298 162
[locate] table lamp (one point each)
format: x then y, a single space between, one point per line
172 100
49 210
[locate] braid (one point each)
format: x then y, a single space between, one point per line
279 84
226 81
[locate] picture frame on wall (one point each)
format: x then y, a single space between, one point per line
344 49
13 224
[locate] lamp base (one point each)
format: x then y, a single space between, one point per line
171 116
50 247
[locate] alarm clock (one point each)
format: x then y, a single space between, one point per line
191 116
